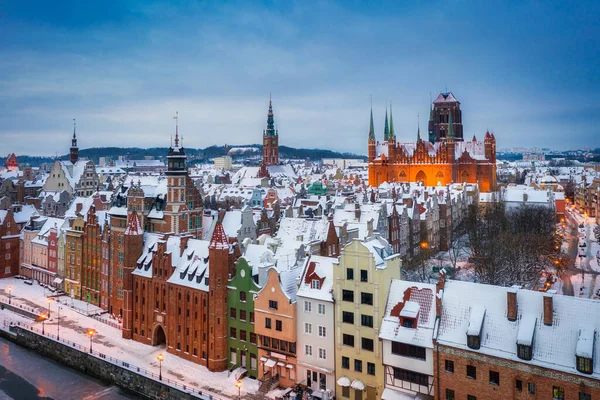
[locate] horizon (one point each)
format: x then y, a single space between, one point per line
123 69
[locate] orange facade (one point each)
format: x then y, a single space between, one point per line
442 163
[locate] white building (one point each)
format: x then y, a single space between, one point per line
407 338
315 327
223 163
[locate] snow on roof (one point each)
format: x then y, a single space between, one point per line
476 320
258 255
445 98
3 214
422 295
42 236
303 229
410 309
585 342
554 346
193 266
526 330
232 222
316 267
27 211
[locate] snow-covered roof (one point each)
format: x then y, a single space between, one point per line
554 346
317 268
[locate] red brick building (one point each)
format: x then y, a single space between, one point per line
9 244
92 252
449 159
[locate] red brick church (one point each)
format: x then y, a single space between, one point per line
443 157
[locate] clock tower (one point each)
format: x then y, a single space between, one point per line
270 140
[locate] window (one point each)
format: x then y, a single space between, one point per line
408 322
322 354
307 306
370 368
558 393
585 396
273 304
242 335
348 295
449 366
251 317
268 323
473 341
408 350
349 274
366 298
278 325
472 372
321 309
345 362
232 313
366 320
524 352
449 394
307 328
233 333
252 337
315 284
519 385
494 378
367 344
242 315
348 317
584 365
308 350
322 331
531 387
364 275
348 340
358 365
243 296
411 376
471 397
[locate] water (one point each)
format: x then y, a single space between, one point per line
25 375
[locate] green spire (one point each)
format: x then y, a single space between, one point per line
371 129
418 129
392 133
431 124
450 128
386 129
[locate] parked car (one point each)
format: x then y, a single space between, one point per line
582 244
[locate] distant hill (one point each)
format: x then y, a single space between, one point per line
136 153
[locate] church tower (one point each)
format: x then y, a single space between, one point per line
372 142
270 140
74 151
176 185
444 105
391 140
218 276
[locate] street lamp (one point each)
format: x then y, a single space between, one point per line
238 384
49 301
58 334
43 317
10 295
160 360
91 334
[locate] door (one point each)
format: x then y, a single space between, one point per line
308 378
371 394
358 394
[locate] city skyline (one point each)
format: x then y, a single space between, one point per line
123 69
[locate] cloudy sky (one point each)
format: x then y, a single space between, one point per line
529 71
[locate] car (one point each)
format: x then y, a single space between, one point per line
581 226
582 244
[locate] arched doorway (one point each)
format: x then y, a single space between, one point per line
439 178
402 176
159 337
421 177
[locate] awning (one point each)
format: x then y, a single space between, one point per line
57 281
270 363
357 384
263 359
344 381
390 394
281 364
238 372
290 366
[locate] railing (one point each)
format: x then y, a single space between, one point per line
7 323
33 310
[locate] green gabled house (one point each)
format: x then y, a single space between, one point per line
318 189
242 343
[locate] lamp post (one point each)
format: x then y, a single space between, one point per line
238 384
91 334
424 246
160 360
43 317
9 295
58 333
49 301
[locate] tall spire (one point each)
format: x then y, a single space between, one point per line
74 150
386 128
392 133
270 120
371 128
418 129
450 128
176 118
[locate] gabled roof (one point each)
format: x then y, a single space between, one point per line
446 98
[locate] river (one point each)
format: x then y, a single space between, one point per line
25 375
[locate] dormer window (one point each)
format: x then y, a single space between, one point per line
315 284
408 322
474 341
584 351
525 337
475 327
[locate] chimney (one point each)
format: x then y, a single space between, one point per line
524 197
511 303
548 307
183 241
439 292
78 208
357 211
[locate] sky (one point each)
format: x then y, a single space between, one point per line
529 71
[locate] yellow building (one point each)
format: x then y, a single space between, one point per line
362 283
73 256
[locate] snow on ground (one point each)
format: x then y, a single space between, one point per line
108 341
